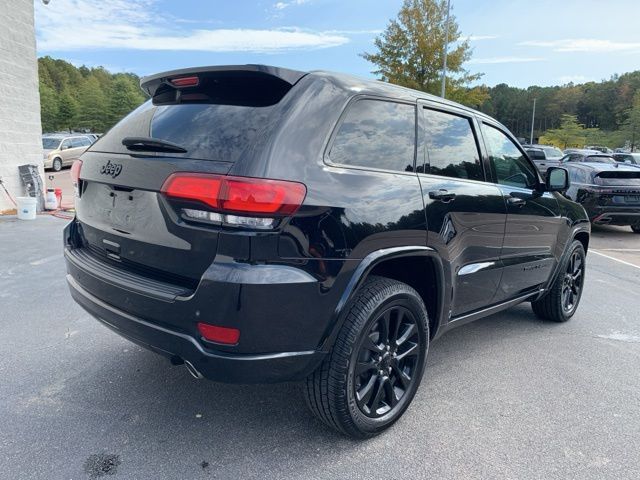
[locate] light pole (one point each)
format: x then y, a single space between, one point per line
533 119
446 49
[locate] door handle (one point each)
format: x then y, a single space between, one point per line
442 195
515 201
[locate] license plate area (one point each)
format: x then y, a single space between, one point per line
122 209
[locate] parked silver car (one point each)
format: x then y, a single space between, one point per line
62 150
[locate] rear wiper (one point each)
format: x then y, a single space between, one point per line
148 144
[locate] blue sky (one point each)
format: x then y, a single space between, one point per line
521 43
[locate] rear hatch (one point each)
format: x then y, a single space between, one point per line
200 120
620 187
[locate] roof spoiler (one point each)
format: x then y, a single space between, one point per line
151 83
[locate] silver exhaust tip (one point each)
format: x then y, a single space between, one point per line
193 371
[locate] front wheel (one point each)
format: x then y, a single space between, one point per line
374 369
57 164
561 301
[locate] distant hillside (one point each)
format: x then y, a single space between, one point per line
605 105
75 98
93 98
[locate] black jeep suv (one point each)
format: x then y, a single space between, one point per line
260 225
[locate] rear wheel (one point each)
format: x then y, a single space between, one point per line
562 299
373 370
636 228
56 165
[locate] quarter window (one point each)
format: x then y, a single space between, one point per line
376 134
507 161
451 146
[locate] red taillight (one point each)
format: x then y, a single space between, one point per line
213 333
237 194
185 82
75 171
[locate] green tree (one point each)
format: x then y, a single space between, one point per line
124 96
631 125
82 97
67 112
93 113
49 108
570 134
410 52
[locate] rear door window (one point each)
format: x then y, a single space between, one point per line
451 146
376 134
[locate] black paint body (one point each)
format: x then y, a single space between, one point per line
285 290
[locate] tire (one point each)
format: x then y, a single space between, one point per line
560 303
388 378
636 228
56 165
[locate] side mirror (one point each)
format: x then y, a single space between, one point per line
64 147
557 179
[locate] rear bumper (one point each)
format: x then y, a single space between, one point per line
282 312
610 215
218 366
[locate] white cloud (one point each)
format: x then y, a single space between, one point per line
283 5
591 45
135 24
496 60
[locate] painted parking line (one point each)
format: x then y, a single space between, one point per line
614 259
619 249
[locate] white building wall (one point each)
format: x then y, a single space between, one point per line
20 127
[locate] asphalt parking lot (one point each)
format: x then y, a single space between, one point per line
505 397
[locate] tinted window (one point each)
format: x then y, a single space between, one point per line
207 131
623 178
66 143
451 146
376 134
536 154
509 164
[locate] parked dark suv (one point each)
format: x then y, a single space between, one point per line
609 191
260 225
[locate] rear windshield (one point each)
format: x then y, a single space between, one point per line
206 131
618 178
599 159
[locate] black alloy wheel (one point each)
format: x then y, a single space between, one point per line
561 299
386 365
572 283
370 376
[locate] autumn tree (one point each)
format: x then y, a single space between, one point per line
410 52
